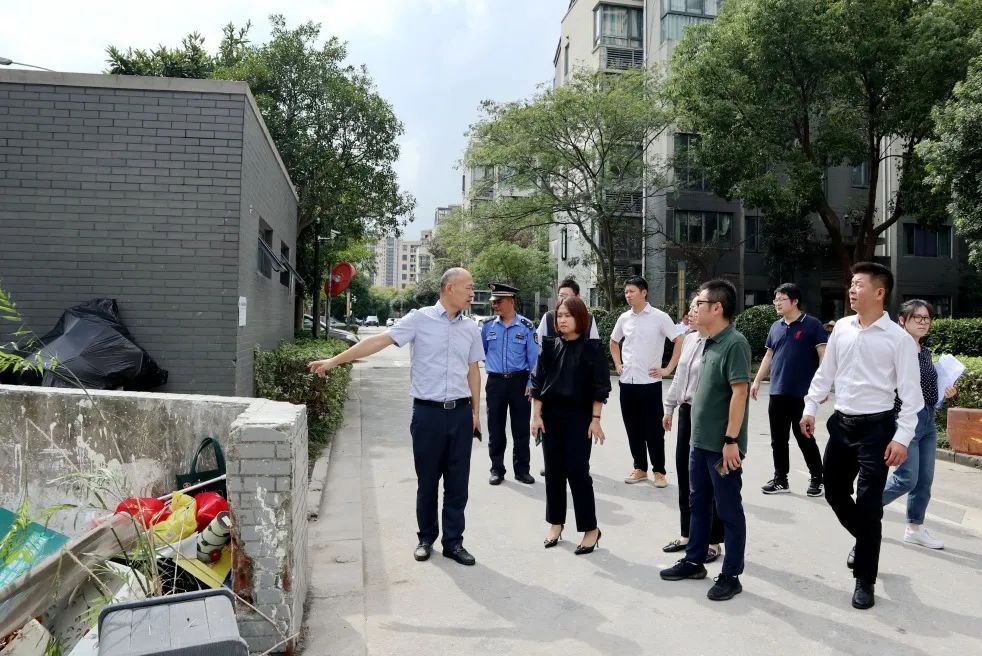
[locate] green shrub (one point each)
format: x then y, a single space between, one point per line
282 375
956 336
755 323
969 391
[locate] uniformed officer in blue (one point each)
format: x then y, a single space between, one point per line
511 346
445 382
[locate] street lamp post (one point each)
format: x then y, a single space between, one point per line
7 62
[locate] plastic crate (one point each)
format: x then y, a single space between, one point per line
190 624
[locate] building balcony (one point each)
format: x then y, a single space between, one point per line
625 202
614 58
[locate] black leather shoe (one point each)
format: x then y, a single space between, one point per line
524 478
496 479
851 558
582 550
674 546
460 554
683 569
862 598
422 551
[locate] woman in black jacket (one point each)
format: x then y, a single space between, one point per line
570 385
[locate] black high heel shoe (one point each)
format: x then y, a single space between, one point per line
549 544
582 551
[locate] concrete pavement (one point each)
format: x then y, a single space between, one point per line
368 595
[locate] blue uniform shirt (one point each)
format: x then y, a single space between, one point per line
510 348
795 357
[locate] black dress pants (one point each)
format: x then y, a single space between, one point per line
642 410
441 449
785 413
566 448
855 448
684 435
506 395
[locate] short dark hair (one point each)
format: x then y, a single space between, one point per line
909 307
722 292
577 309
569 283
877 272
791 290
638 282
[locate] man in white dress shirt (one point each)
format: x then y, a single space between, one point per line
644 330
871 361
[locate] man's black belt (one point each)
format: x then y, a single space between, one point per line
860 420
514 374
446 405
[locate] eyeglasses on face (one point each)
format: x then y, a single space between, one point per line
920 318
698 303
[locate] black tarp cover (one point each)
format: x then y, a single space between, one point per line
98 352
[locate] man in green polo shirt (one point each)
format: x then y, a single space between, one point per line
719 443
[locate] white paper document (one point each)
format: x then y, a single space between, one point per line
949 369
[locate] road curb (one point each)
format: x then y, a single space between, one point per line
318 475
960 458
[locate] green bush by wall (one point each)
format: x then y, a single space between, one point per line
956 336
282 375
755 323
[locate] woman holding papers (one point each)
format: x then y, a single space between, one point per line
915 476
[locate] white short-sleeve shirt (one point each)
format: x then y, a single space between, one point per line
644 334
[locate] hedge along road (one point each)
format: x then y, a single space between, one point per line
370 596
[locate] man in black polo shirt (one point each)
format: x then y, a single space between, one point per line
795 346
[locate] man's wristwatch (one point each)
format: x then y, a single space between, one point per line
729 440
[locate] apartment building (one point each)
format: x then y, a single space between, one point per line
687 217
401 263
442 213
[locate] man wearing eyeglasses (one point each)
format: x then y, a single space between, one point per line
795 346
511 346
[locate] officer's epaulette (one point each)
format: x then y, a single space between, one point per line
528 324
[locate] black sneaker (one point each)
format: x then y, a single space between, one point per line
776 486
815 488
684 569
726 587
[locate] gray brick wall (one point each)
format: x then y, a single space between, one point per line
135 194
266 196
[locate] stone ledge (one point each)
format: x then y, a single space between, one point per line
960 458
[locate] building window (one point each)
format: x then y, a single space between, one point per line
284 257
404 267
680 14
754 229
564 244
921 242
265 254
859 176
703 227
618 26
566 62
687 174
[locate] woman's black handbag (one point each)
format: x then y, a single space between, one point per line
195 476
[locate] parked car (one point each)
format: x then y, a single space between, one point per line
390 322
348 337
371 320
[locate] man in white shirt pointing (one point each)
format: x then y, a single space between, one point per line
871 361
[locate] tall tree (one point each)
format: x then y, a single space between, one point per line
579 150
337 136
782 90
954 158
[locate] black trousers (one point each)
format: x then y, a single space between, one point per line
709 487
642 410
684 434
506 395
566 449
856 448
785 413
441 449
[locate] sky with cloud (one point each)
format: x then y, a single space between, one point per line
434 60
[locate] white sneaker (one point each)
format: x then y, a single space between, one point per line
923 538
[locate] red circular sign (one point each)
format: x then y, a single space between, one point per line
341 276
